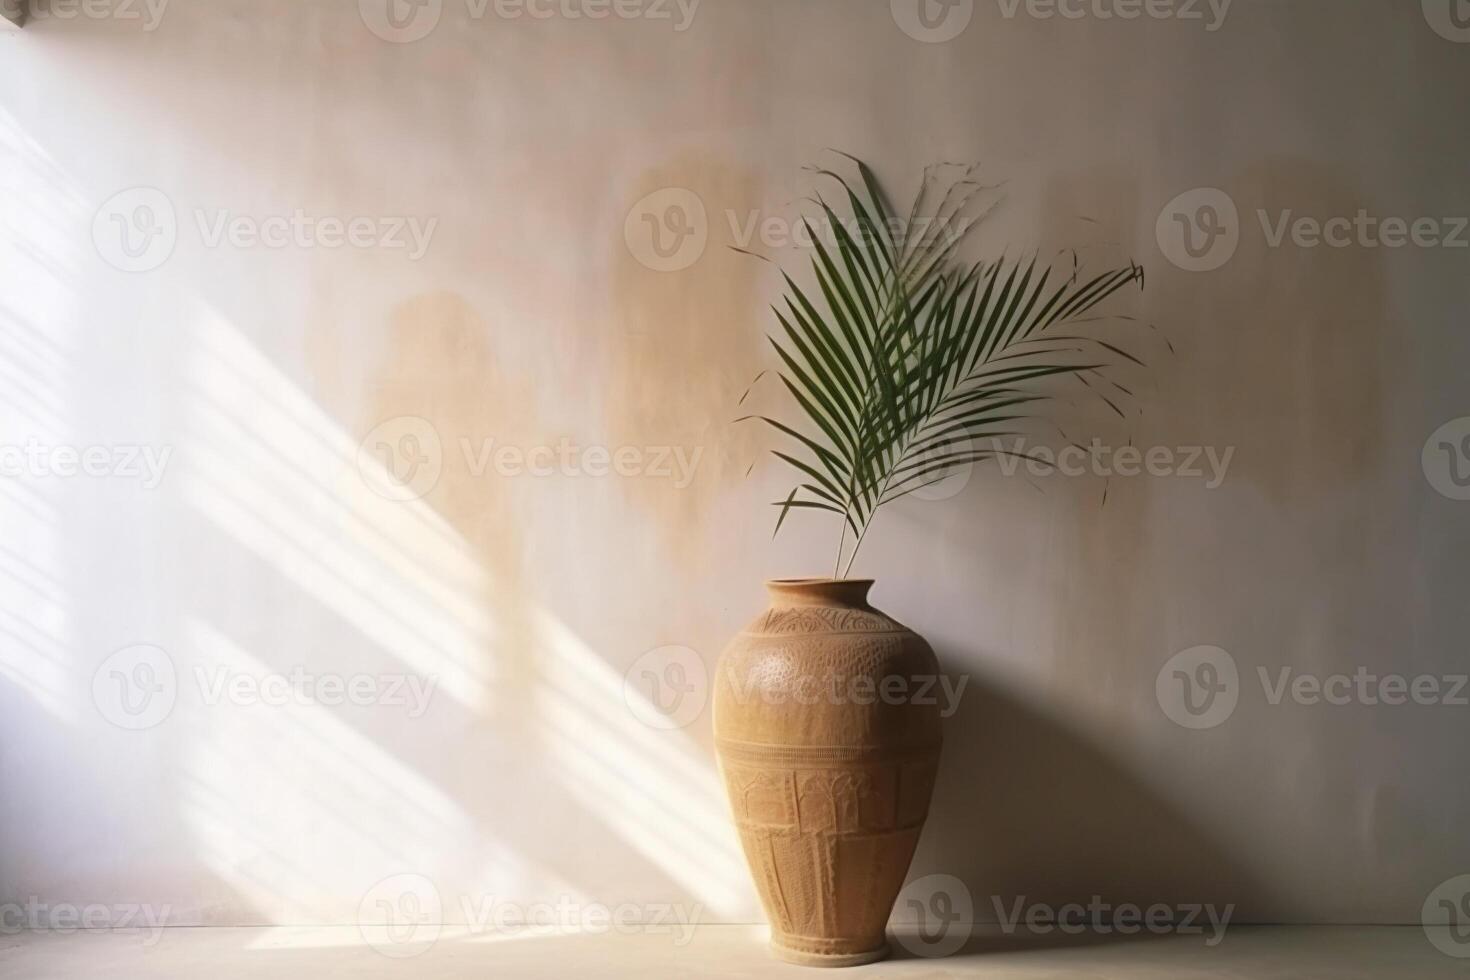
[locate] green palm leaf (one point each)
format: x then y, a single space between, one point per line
903 361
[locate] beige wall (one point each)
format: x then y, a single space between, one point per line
529 319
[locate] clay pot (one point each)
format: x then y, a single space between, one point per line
829 771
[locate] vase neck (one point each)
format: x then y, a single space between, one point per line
849 592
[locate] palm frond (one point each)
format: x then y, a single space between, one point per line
903 359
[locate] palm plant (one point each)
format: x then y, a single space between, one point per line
909 359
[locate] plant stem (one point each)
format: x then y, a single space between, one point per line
903 452
853 557
842 540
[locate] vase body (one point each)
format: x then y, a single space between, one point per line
828 740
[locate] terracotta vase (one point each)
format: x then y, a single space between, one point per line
828 758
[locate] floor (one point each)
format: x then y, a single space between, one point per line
1265 952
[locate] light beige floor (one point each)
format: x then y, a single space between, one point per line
1264 952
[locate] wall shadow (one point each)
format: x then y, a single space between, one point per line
1281 355
1028 806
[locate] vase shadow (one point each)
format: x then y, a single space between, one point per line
1030 811
993 941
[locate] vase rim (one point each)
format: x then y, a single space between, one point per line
819 591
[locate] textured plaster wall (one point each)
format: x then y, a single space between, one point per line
530 153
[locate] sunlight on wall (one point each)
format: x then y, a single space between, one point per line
274 472
37 322
289 803
652 787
